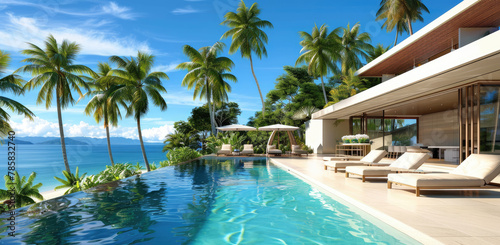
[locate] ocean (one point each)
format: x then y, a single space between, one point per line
47 162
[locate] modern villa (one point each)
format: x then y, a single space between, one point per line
440 89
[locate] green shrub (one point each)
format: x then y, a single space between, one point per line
153 166
73 182
181 154
138 167
90 181
117 172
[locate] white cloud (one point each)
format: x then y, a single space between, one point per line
186 10
43 128
111 8
166 68
117 11
16 31
182 98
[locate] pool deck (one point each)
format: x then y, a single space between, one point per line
437 216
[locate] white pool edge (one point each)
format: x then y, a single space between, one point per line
396 224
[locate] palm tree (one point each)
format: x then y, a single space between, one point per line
353 45
376 52
24 190
350 85
139 85
400 14
100 105
207 75
10 83
320 52
54 70
247 35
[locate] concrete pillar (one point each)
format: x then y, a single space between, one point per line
322 135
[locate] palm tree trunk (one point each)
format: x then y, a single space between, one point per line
258 87
142 144
106 125
61 134
324 91
396 41
210 112
409 26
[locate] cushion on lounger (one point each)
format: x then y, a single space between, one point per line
410 160
226 147
483 166
374 156
436 180
248 147
370 170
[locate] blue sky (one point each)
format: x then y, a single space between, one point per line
105 28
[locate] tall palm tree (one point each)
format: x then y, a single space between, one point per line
320 51
247 35
376 52
353 45
139 85
207 74
400 14
100 106
24 190
54 70
10 83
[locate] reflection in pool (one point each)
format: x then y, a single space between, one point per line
209 201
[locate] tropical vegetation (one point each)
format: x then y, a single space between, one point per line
320 50
400 14
100 106
53 69
208 75
138 86
21 190
247 35
11 83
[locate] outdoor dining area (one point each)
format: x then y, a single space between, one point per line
271 149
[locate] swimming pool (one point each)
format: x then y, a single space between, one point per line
209 201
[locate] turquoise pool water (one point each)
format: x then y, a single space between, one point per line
210 201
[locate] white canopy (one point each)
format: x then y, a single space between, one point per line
236 127
278 127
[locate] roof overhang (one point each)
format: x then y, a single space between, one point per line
478 61
434 38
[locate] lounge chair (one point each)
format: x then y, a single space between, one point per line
247 149
372 158
225 150
475 172
271 149
407 162
296 150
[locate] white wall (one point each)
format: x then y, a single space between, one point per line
322 135
439 129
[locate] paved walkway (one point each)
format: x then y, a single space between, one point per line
449 217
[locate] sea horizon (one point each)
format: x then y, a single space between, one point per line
47 161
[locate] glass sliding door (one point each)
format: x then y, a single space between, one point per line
489 120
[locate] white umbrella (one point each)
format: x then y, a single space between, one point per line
278 127
236 127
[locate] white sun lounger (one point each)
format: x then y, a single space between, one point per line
225 150
477 171
372 158
247 149
406 162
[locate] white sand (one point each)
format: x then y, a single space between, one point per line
52 194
